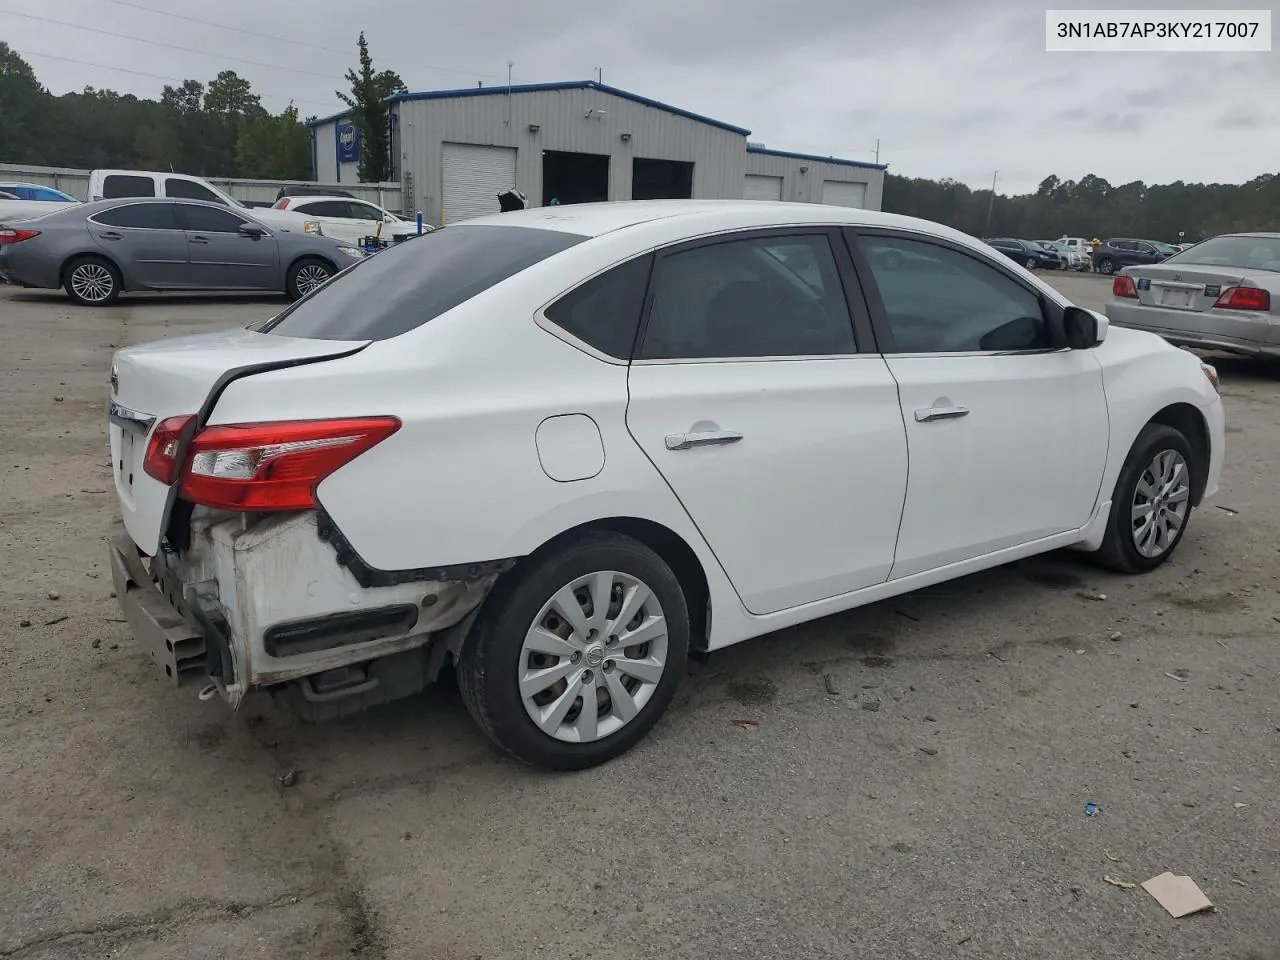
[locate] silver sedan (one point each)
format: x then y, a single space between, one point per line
1221 294
96 251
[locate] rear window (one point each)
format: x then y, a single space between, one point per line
117 186
408 284
1249 253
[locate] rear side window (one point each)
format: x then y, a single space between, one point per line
408 284
337 209
116 186
605 311
189 190
143 216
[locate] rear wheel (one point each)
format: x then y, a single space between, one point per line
573 659
1107 265
1151 503
92 281
306 275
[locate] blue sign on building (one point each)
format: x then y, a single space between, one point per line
348 142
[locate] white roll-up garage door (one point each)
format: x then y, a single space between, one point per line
474 175
841 193
760 187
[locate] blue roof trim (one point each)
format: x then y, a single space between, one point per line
817 159
323 120
567 85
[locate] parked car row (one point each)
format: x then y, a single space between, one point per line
98 250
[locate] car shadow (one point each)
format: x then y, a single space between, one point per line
22 295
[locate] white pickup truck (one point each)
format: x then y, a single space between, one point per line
1078 245
119 184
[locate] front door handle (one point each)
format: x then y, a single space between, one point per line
706 438
929 414
199 239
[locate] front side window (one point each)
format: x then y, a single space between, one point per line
142 216
117 186
210 220
190 190
756 297
409 284
939 300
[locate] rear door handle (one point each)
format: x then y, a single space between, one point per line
707 438
199 239
110 235
929 414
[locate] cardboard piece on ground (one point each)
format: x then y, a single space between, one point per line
1178 895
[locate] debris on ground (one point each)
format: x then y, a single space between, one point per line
1229 510
748 724
829 682
871 705
1091 595
96 643
911 617
931 751
1174 676
1118 883
1117 636
24 622
1111 856
1091 809
50 623
53 594
1178 895
288 779
1240 806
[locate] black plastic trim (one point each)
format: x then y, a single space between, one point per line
339 630
370 576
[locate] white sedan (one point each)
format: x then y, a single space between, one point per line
562 448
348 219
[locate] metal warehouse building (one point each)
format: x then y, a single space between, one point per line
454 151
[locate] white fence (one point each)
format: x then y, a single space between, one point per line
76 183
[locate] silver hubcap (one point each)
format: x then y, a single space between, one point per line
593 657
92 281
1160 503
311 276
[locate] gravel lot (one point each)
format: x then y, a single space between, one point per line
915 788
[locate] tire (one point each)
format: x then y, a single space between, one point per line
497 656
1107 265
92 281
1158 449
1031 263
303 276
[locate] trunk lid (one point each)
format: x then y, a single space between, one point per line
152 382
1190 287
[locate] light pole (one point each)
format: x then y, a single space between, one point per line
991 204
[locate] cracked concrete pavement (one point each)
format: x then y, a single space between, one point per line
915 785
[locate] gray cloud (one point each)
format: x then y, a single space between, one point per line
950 87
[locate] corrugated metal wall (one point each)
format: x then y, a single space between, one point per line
719 155
807 187
328 170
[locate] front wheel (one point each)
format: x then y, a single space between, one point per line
306 275
1031 263
1107 266
576 654
1151 503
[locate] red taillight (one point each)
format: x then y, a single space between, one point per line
282 203
1244 298
1124 287
274 466
16 236
161 460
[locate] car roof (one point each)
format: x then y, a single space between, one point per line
312 197
1259 235
596 219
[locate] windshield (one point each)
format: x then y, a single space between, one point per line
404 286
1248 253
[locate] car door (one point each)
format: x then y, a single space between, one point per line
1146 253
146 240
1006 431
368 219
221 256
778 431
334 216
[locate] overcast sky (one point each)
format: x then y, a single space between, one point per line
951 88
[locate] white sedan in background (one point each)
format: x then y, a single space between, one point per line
350 220
563 447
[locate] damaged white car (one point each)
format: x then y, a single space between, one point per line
564 448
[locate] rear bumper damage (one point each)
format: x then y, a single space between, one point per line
264 603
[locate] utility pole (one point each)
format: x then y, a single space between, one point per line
991 204
877 149
599 74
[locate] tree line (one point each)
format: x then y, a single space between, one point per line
219 128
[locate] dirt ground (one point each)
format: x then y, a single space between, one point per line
916 785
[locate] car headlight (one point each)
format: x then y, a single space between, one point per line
352 252
313 227
1210 372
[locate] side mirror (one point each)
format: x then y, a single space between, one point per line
1084 328
252 231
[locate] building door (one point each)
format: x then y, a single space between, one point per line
474 175
841 193
762 188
